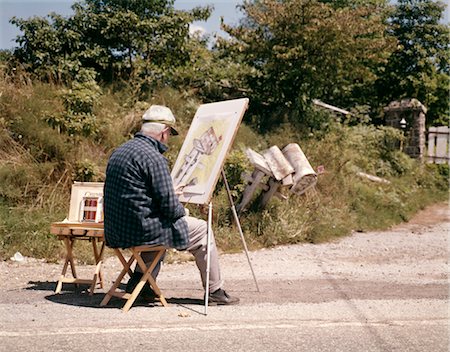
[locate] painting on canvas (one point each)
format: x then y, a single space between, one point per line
86 202
203 152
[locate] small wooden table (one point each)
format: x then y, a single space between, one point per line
69 232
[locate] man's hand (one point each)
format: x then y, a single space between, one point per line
179 192
179 189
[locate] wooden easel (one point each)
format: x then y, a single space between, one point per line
208 141
238 224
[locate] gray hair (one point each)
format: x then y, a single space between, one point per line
152 128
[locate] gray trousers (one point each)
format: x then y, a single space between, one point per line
198 247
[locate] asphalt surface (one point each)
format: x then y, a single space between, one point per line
379 291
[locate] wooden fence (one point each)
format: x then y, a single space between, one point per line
438 145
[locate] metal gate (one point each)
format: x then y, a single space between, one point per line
438 145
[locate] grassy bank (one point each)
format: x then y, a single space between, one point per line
39 162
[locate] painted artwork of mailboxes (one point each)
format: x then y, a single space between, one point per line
205 147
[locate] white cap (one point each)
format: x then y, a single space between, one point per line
160 114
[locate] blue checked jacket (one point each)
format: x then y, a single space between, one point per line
140 205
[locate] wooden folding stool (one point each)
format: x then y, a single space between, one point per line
146 277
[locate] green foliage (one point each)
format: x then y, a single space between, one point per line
247 136
342 201
442 170
50 47
370 205
73 123
84 93
420 66
210 75
353 3
371 149
18 182
27 231
439 176
282 55
23 109
236 165
299 50
79 102
85 171
118 39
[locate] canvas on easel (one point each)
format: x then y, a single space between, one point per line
203 152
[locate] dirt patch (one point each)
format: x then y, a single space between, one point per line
431 215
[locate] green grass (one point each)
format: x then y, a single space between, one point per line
38 165
27 231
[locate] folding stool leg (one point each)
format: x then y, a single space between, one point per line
136 253
148 273
123 261
126 269
69 259
69 246
99 261
98 273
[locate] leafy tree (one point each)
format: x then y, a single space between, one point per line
210 75
305 49
419 68
47 46
116 38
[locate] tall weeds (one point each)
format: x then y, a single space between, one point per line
38 164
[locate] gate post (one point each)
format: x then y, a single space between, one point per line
414 113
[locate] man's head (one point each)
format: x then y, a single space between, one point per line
162 115
158 122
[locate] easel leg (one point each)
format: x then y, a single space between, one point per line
236 219
208 256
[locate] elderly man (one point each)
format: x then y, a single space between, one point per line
141 205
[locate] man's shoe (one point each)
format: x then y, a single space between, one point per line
220 297
146 293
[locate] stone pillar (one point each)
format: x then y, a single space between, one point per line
414 113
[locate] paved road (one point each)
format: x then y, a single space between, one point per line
385 291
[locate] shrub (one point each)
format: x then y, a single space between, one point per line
79 103
85 171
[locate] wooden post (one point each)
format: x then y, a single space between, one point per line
250 189
287 168
273 188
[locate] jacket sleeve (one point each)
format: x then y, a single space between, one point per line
163 192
